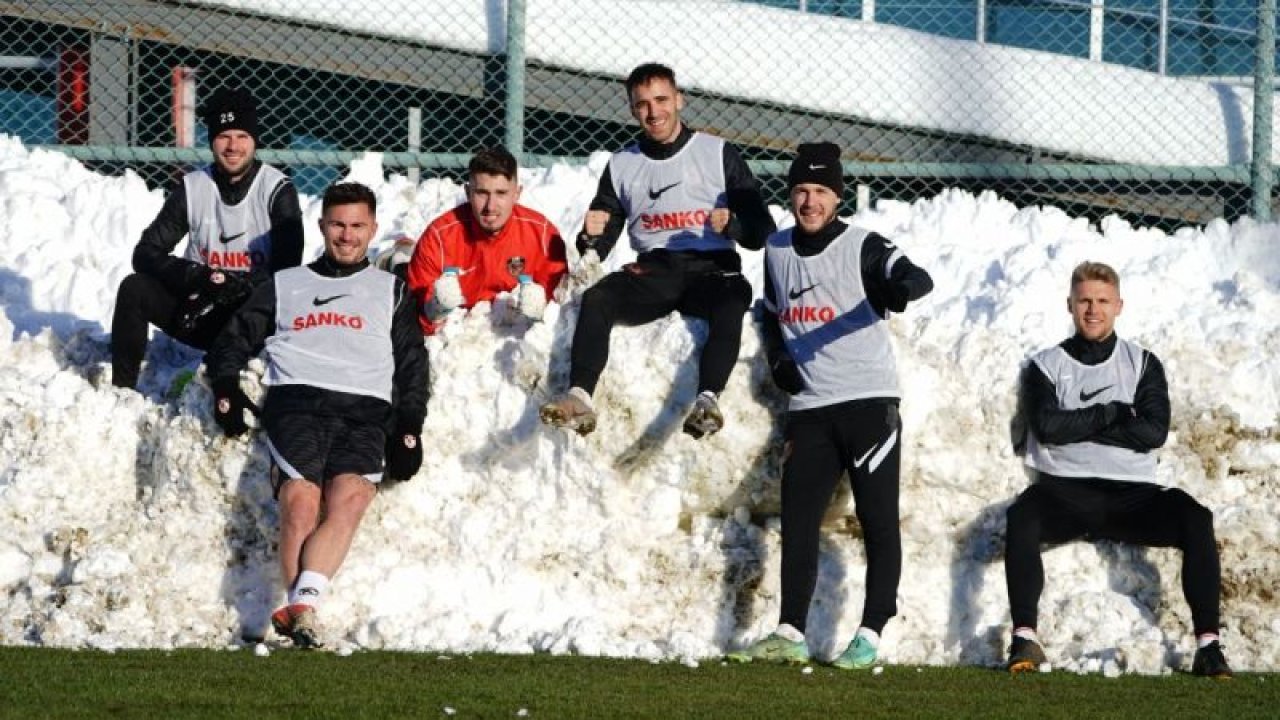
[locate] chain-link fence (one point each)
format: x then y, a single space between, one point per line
1143 108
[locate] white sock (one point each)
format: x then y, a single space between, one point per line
308 589
787 631
870 635
709 395
1027 633
1206 639
582 395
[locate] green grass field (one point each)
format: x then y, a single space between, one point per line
289 683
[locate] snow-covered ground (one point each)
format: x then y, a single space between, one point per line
127 520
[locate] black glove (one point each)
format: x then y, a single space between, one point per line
1117 412
585 242
786 375
229 405
404 455
234 289
218 290
896 296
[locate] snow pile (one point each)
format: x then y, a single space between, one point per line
126 520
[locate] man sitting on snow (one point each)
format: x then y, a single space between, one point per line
242 222
1091 411
488 245
687 199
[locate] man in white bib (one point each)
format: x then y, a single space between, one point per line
346 399
1092 410
829 290
687 199
242 223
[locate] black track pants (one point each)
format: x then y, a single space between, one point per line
657 284
864 439
1058 510
141 301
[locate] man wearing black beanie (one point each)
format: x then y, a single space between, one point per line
687 199
828 346
242 222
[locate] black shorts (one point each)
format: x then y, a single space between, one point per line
318 448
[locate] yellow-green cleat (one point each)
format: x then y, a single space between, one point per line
773 648
860 655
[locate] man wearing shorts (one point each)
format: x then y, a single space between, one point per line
347 379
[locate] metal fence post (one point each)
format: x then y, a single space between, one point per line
1264 71
514 136
1162 39
1097 22
415 141
111 97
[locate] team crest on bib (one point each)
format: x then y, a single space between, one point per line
515 265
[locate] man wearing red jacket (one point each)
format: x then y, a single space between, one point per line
486 246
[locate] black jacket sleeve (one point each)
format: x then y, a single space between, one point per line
153 254
243 335
750 223
410 381
1038 402
286 232
891 283
606 199
1146 427
771 332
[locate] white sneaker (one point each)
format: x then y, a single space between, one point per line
705 418
570 411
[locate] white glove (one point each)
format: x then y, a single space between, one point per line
446 296
530 300
586 273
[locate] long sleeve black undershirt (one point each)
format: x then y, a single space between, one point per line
1143 426
153 254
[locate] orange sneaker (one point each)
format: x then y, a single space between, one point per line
298 623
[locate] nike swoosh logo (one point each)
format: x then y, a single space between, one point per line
858 463
1086 397
318 301
816 167
230 238
655 194
795 294
881 451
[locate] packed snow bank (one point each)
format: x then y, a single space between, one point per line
126 520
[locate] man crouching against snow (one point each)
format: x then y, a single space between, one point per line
1092 410
346 366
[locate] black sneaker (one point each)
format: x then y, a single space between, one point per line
1210 662
1024 656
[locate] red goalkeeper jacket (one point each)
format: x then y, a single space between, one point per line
528 244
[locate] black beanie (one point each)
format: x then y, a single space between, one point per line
817 163
230 109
